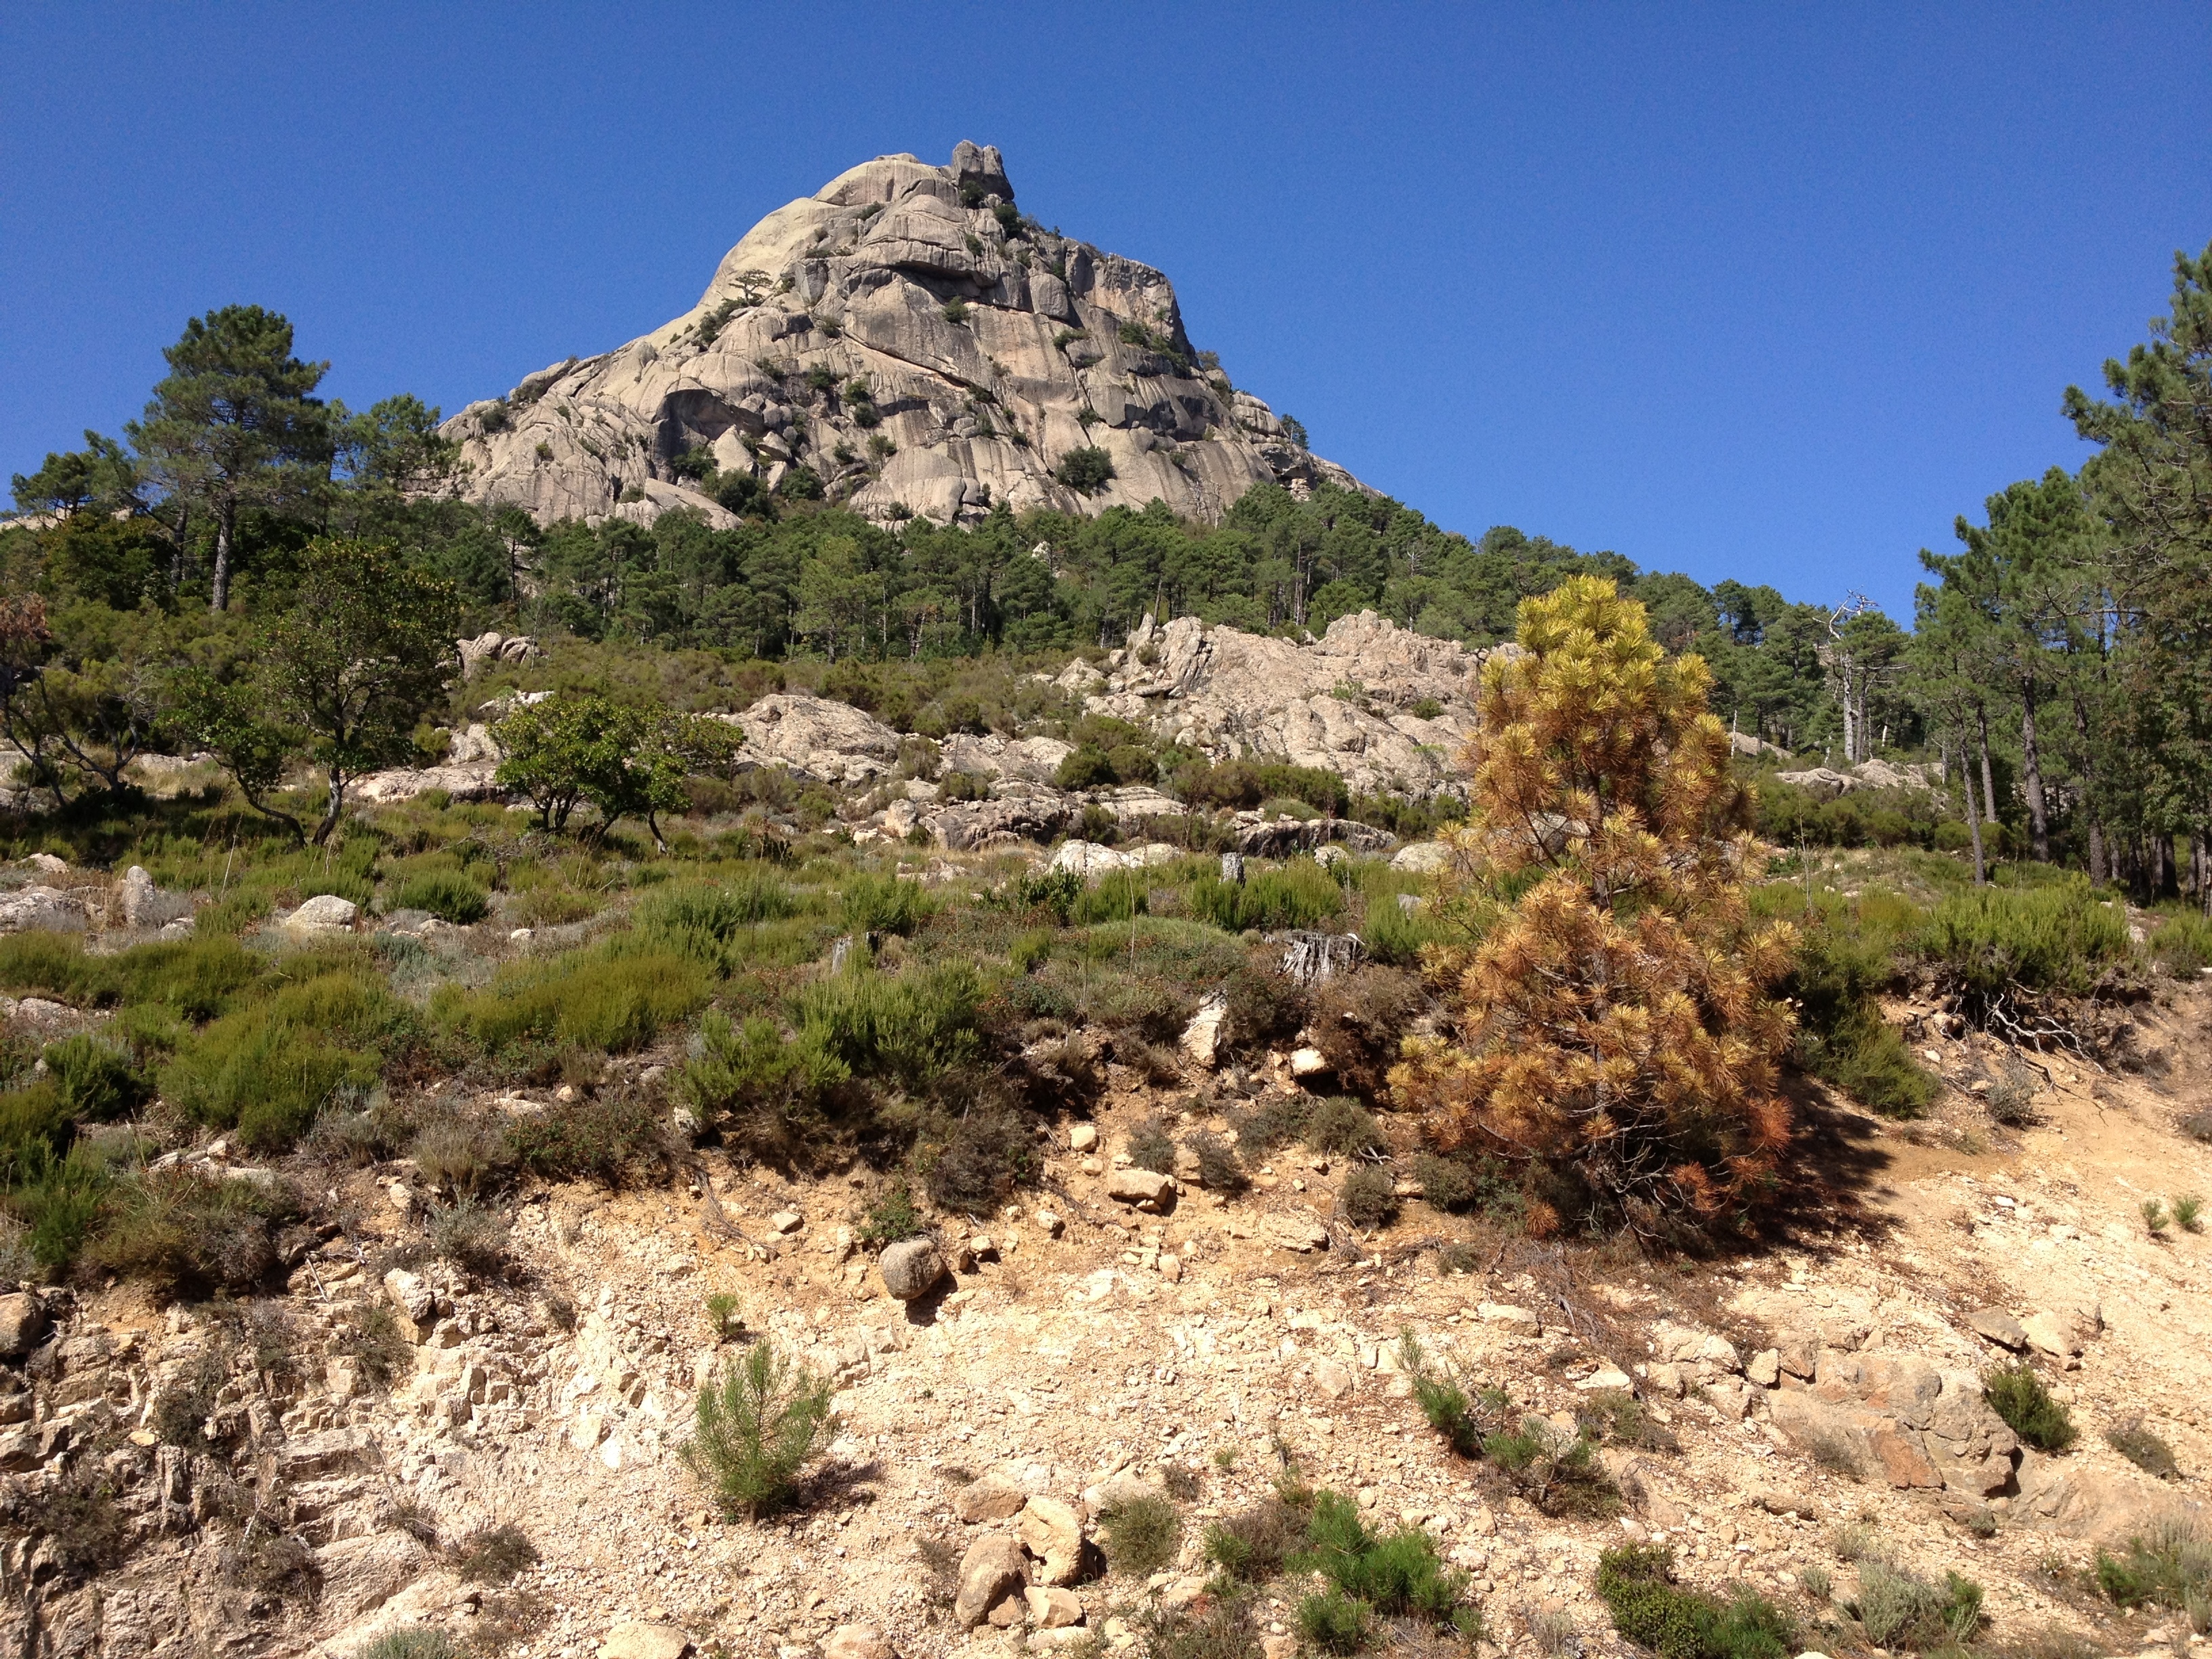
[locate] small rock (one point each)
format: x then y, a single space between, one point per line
1608 1377
993 1568
22 1322
786 1221
1505 1313
1308 1062
1050 1608
1207 1034
1051 1221
1144 1188
1052 1530
635 1639
1082 1138
858 1642
1171 1269
2051 1333
47 864
1766 1368
1331 1380
1998 1327
911 1268
326 913
990 1498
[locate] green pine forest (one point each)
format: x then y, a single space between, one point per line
2055 666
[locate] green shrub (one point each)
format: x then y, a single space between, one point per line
447 895
1219 1170
905 1028
1342 1127
412 1642
1215 1626
2170 1566
891 1218
2183 943
1301 894
1637 1584
2057 938
196 977
462 1152
1399 1574
267 1069
761 1421
1443 1399
1329 1621
1119 894
606 998
2016 1394
1394 935
704 920
1084 471
1251 1545
95 1080
1847 953
1150 1148
770 1098
1368 1196
612 1140
492 1555
886 904
1140 1534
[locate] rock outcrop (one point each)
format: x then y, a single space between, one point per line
1387 708
905 303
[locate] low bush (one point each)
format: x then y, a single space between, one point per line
1330 1621
1212 1627
1220 1170
77 1515
1368 1196
464 1152
985 1155
1343 1127
886 904
2016 1394
2172 1567
412 1642
448 895
95 1080
616 1140
1991 941
1637 1584
187 1236
2143 1449
1847 952
1251 1545
493 1555
770 1098
1140 1534
606 998
760 1421
1150 1148
906 1028
2183 943
1300 894
369 1336
1559 1475
471 1236
1397 1574
1084 471
1898 1608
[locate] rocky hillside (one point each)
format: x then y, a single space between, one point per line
918 344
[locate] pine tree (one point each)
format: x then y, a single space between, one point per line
1613 1025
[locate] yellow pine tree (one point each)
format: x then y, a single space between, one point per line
1612 1026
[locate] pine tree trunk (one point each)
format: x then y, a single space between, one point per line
1974 824
1989 788
2200 871
2031 774
219 599
2097 872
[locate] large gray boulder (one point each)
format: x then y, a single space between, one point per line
911 1269
145 905
855 280
817 736
36 909
326 913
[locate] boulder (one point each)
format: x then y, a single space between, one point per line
858 1642
1086 859
145 905
993 1568
1052 1607
818 737
1422 858
36 909
361 1573
22 1323
1998 1327
1207 1034
911 1268
326 913
1146 1189
991 1499
1036 816
1052 1530
635 1638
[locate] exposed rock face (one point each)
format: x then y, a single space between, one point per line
1387 708
29 909
1826 783
985 344
818 737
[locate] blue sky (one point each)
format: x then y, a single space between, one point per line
1760 291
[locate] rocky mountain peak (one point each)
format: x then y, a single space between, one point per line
918 345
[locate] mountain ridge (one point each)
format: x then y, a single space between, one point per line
907 342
